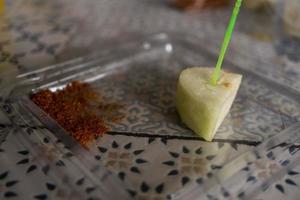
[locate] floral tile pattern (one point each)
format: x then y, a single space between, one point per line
166 165
151 167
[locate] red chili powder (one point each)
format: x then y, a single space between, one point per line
77 108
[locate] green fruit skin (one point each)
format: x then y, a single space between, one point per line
194 113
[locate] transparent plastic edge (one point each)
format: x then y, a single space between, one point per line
226 178
107 184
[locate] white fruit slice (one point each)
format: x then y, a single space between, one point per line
202 106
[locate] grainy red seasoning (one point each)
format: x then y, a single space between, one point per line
77 108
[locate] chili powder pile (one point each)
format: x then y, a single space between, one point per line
76 108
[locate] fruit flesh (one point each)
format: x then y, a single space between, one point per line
202 106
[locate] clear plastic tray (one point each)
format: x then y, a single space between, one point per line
142 74
239 178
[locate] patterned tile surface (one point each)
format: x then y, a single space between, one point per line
38 33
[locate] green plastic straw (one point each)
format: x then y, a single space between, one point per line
216 75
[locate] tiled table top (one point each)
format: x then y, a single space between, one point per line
43 33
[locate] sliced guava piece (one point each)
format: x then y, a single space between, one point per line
201 105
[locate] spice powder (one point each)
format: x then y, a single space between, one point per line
79 110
